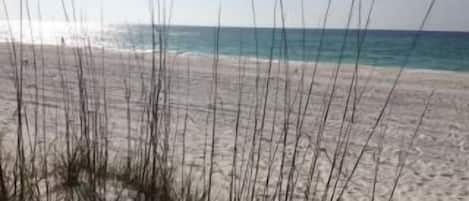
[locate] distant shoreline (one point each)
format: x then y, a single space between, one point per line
439 50
233 60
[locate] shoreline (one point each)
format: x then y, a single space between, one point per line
251 58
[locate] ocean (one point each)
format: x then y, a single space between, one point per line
433 50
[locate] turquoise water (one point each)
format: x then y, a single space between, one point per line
434 50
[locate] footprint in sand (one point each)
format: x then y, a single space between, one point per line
447 175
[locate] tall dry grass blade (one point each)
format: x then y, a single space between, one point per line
388 98
214 102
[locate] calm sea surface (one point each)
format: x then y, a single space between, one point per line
433 50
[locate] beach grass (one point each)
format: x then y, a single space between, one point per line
103 125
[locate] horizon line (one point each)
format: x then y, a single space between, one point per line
97 22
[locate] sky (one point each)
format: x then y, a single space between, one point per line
449 15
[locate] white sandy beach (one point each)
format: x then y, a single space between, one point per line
437 166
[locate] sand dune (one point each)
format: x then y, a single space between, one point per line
437 164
